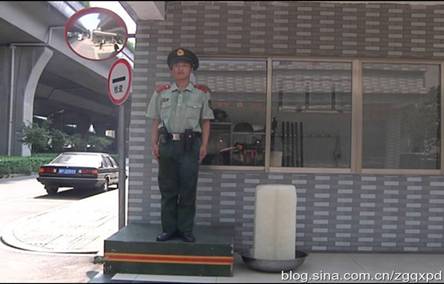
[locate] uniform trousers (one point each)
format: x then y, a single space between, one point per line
178 174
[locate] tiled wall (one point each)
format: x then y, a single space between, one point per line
335 212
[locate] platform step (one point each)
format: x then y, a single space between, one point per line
134 249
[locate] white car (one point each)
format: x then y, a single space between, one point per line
79 169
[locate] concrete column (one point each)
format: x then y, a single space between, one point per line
100 128
5 74
83 124
29 63
57 121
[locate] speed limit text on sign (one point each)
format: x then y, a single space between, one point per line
119 81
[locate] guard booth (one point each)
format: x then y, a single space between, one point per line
341 100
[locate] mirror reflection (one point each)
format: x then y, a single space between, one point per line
96 34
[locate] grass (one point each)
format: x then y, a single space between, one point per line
10 165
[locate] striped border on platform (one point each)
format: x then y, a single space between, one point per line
174 259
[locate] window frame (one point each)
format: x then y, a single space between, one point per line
410 172
239 167
356 123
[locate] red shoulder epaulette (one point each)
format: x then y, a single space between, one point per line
163 87
203 88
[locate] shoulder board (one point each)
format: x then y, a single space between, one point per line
163 87
203 88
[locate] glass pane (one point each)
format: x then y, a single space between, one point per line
401 116
238 97
78 160
311 110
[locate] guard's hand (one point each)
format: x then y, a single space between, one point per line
155 151
202 153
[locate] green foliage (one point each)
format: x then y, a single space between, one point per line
78 142
58 140
23 165
42 139
115 157
89 143
85 4
98 144
37 137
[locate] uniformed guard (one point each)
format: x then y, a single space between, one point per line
180 114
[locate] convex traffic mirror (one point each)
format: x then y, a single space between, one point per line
96 33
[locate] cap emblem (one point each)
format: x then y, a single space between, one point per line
180 52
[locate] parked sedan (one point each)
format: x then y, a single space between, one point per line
79 169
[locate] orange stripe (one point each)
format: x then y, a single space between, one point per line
200 259
166 256
156 258
170 256
171 262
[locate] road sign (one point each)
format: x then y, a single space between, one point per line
119 81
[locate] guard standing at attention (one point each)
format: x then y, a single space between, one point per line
180 114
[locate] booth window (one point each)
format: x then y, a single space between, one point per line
311 114
238 99
401 116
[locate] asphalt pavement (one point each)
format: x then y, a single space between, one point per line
80 227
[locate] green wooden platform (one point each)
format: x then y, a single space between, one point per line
134 249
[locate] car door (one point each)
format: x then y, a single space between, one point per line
106 168
114 174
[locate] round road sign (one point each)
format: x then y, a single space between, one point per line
119 81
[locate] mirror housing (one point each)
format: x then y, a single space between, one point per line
96 33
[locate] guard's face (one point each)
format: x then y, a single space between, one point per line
181 70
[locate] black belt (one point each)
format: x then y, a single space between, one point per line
181 136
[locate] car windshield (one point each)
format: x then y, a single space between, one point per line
78 160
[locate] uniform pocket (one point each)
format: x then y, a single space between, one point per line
166 104
165 108
193 110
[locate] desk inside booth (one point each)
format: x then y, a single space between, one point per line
235 144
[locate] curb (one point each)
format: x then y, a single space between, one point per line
11 176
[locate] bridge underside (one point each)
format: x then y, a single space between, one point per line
41 78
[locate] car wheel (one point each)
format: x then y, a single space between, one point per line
105 186
51 190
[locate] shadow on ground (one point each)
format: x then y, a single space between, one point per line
69 193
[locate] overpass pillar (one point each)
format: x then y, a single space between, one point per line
100 128
21 68
83 124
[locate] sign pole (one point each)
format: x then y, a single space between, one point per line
122 168
119 85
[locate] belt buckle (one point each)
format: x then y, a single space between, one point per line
175 136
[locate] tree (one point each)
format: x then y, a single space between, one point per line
85 4
36 137
58 140
78 142
99 144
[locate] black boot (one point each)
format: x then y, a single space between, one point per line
188 237
165 236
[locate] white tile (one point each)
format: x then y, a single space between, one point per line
175 278
124 277
399 262
320 263
330 263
